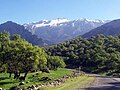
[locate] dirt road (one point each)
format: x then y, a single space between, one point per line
104 83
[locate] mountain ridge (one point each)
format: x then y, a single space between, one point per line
111 28
14 28
62 29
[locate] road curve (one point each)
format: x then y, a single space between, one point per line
104 83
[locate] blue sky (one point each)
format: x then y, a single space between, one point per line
24 11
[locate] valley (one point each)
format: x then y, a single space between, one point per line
59 45
27 61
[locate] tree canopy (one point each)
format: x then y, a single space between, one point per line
19 56
96 54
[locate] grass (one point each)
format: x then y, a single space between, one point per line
32 78
70 84
73 84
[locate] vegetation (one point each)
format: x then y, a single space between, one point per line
97 54
32 78
54 62
73 84
18 56
20 60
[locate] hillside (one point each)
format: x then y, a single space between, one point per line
14 28
111 28
96 54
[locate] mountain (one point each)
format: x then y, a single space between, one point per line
14 28
111 28
62 29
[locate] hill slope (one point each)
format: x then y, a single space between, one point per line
96 54
111 28
14 28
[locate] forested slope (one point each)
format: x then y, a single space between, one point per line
97 54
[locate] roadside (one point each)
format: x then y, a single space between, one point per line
104 83
73 84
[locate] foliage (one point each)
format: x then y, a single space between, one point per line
97 54
32 78
18 56
54 62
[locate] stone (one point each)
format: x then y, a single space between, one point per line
22 83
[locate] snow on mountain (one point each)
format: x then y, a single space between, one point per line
62 29
48 23
93 21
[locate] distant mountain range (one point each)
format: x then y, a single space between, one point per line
62 29
14 28
111 28
59 30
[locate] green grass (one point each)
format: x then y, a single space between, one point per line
6 82
73 84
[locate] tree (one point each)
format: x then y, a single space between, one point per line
4 48
54 62
95 54
19 56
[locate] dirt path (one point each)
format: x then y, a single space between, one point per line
104 83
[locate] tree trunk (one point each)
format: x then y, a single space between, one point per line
16 75
10 75
25 74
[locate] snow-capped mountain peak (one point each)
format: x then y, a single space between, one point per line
61 29
91 21
58 21
43 23
62 21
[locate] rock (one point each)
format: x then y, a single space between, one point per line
21 83
33 87
45 79
37 73
42 85
1 89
